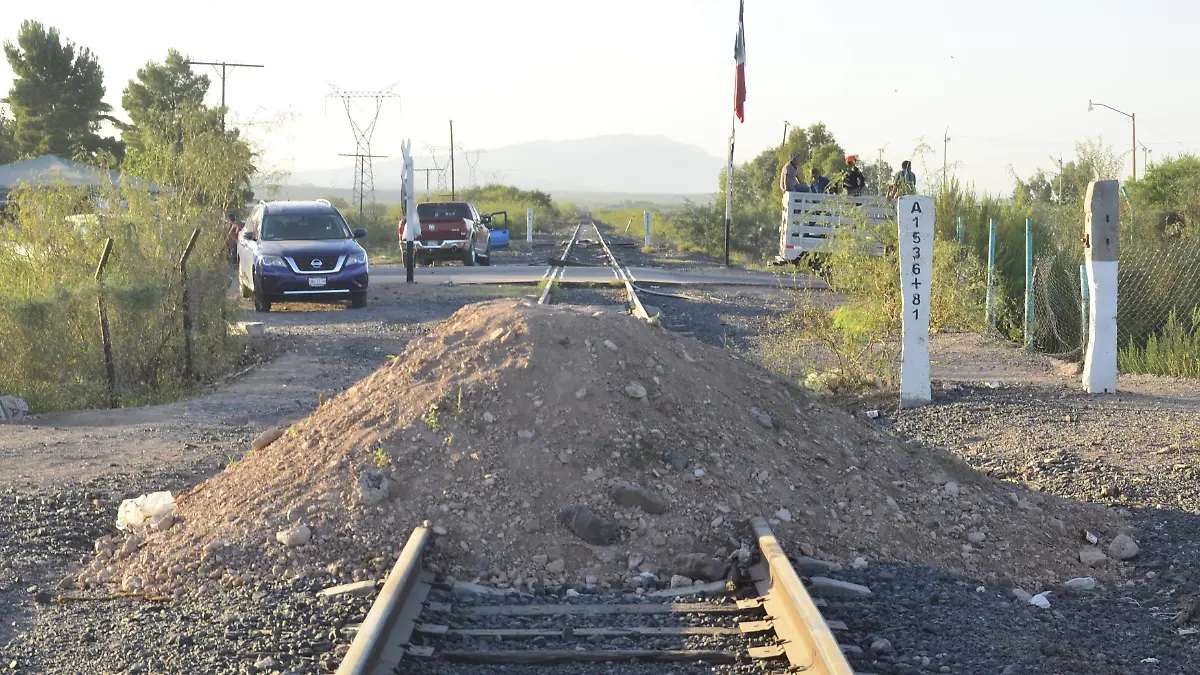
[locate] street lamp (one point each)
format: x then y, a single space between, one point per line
1133 119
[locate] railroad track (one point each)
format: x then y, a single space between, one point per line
762 619
589 251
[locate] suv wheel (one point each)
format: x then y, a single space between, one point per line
469 255
261 302
358 300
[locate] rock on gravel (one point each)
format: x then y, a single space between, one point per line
1123 547
699 566
635 390
1092 557
371 488
293 537
588 526
631 495
266 438
1080 583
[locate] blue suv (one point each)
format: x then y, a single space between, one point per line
300 252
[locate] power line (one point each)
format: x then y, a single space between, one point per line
224 65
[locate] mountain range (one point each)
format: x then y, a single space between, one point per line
624 163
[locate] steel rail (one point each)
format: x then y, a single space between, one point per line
378 647
807 640
622 274
555 272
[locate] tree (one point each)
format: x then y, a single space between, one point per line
1169 193
161 95
8 144
195 161
57 97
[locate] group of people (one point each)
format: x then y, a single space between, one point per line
851 182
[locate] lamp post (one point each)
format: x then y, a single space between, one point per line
1133 120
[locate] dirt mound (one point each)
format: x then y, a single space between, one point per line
553 443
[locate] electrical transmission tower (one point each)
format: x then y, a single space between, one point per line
364 172
439 168
472 157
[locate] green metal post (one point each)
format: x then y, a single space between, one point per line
1029 283
991 274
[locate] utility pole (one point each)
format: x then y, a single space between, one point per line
786 124
360 161
1133 155
945 146
1145 157
427 172
452 194
224 65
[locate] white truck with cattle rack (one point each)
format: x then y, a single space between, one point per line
811 220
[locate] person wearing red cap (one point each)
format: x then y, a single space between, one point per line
853 182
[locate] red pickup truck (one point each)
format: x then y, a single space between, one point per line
450 231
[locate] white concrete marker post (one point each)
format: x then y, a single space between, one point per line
410 209
529 226
1100 236
914 216
647 214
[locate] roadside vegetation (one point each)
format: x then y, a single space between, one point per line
1160 249
178 171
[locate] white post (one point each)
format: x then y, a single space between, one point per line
647 213
914 217
1100 253
529 226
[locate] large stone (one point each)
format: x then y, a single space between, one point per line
292 537
699 566
266 438
628 494
635 390
13 409
372 487
1123 547
1092 557
588 526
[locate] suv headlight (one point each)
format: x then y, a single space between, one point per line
272 261
356 259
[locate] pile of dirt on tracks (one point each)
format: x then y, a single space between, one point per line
553 444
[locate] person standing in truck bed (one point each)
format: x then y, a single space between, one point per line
854 182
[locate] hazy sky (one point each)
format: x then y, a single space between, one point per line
1011 80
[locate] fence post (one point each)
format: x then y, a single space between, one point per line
1029 283
647 215
529 226
961 230
915 221
187 305
989 306
1100 237
109 370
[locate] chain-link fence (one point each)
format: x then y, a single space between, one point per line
1158 293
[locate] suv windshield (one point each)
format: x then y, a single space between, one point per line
443 211
292 226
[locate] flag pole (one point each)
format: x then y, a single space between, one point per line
729 187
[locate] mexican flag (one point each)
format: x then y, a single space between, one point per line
739 57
